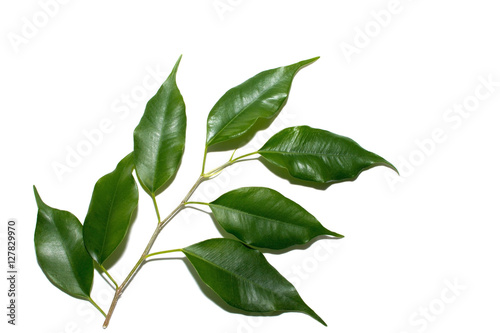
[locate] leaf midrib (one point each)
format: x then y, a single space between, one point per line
261 217
66 250
305 153
156 155
106 229
242 278
244 109
162 130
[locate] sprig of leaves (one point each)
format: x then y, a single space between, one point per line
258 217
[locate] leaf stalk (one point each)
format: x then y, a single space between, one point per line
108 275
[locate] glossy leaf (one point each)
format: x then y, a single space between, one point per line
159 138
262 217
244 279
60 251
113 202
262 96
320 156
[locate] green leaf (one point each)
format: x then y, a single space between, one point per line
60 251
320 156
261 96
160 137
113 202
244 279
264 218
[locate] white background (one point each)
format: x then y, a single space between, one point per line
408 239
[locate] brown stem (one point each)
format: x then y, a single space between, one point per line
112 308
120 289
141 260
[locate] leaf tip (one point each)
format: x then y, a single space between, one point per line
128 162
39 201
333 233
336 235
307 62
387 164
390 166
176 66
313 314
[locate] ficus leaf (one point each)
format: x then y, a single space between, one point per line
261 96
244 279
319 156
60 251
113 202
159 138
264 218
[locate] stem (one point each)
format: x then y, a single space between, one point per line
109 276
225 165
191 191
97 306
204 176
232 155
156 208
163 252
243 156
144 255
204 160
196 203
120 289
